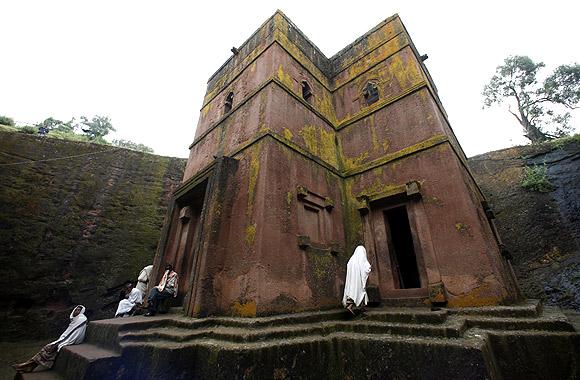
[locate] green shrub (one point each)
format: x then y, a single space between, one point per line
536 179
5 120
29 130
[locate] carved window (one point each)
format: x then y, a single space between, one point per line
229 103
315 217
371 93
306 91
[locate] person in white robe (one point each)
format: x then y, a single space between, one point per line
74 334
167 288
358 269
133 298
143 279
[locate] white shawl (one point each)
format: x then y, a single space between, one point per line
143 279
73 333
357 273
170 279
129 303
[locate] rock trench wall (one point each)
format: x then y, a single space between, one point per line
540 229
72 228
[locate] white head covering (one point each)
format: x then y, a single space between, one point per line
127 304
357 273
143 279
73 333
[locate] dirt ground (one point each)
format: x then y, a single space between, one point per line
16 352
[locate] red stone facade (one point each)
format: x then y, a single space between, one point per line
298 157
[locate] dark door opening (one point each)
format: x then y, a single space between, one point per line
402 251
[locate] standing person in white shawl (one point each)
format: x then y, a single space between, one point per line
133 298
358 269
143 279
74 334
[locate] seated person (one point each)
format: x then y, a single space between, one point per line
74 334
143 280
133 298
167 288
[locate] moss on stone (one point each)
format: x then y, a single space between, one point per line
75 227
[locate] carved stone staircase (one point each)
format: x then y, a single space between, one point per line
505 342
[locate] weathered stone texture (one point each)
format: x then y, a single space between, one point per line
541 230
317 173
71 228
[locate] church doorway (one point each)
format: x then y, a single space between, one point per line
401 248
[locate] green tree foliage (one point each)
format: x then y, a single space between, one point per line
133 146
52 124
96 128
28 129
5 120
536 104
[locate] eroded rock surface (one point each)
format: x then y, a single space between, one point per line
540 229
71 228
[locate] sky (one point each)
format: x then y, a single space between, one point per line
145 64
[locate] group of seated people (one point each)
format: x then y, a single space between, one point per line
132 299
357 272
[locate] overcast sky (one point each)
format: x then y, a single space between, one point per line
145 64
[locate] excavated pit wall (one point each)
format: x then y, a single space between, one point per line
540 229
72 228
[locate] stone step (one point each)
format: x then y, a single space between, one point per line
74 362
454 327
41 375
211 342
400 357
147 344
528 308
520 324
236 334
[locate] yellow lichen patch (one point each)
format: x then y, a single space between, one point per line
205 110
386 145
288 134
299 56
352 218
323 104
308 133
244 309
375 140
355 162
253 176
285 78
289 197
320 143
228 76
250 234
475 298
351 164
253 67
377 56
406 73
375 39
379 188
320 265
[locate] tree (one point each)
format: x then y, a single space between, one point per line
538 106
5 120
96 128
52 124
133 146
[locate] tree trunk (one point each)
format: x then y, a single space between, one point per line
532 132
